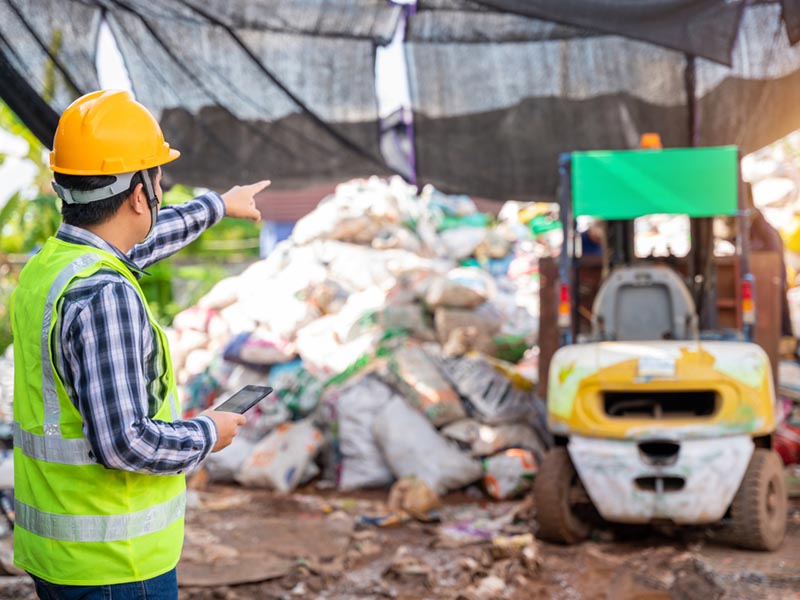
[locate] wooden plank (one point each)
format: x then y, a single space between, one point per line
548 319
766 268
729 303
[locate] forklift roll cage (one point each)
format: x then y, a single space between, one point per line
619 186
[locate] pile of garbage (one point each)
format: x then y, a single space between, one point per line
399 332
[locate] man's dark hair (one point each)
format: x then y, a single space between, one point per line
95 213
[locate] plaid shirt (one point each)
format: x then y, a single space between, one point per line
107 356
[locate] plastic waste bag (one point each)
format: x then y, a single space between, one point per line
280 459
357 407
509 473
494 394
424 385
413 448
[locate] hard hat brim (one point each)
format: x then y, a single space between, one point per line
145 164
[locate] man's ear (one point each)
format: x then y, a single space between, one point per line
138 200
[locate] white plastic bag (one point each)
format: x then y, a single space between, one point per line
281 312
493 391
462 241
485 440
509 473
413 448
222 466
443 292
261 347
194 317
280 459
424 385
323 353
357 407
223 294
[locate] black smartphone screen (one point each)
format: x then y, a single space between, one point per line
245 399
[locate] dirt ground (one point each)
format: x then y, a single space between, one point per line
328 545
252 544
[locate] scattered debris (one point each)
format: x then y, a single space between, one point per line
377 297
408 569
414 497
488 588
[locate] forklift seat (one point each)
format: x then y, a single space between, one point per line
638 303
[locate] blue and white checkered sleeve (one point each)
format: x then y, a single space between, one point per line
105 352
176 227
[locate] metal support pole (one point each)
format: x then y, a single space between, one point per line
567 246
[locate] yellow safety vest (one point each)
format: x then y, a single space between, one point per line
77 522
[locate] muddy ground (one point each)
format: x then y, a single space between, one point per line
243 544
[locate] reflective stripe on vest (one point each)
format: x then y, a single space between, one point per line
173 406
53 448
52 410
90 528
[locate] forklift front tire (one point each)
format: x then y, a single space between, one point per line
557 491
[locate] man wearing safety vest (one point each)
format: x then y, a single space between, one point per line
100 450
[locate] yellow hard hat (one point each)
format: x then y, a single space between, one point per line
106 133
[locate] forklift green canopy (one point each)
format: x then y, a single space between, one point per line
625 184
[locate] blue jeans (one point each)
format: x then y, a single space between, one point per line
163 587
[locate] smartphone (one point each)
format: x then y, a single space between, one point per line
245 399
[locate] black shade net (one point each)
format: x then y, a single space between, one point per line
492 118
706 28
249 89
246 90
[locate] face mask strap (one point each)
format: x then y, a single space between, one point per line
152 200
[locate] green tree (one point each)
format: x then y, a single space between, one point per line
27 223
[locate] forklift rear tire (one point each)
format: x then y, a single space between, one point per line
758 511
555 490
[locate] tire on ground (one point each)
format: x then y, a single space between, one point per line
552 492
758 511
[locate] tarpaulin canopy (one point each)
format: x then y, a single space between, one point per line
625 184
499 88
491 118
244 89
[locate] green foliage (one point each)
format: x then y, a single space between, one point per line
230 239
178 194
11 123
26 224
171 287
